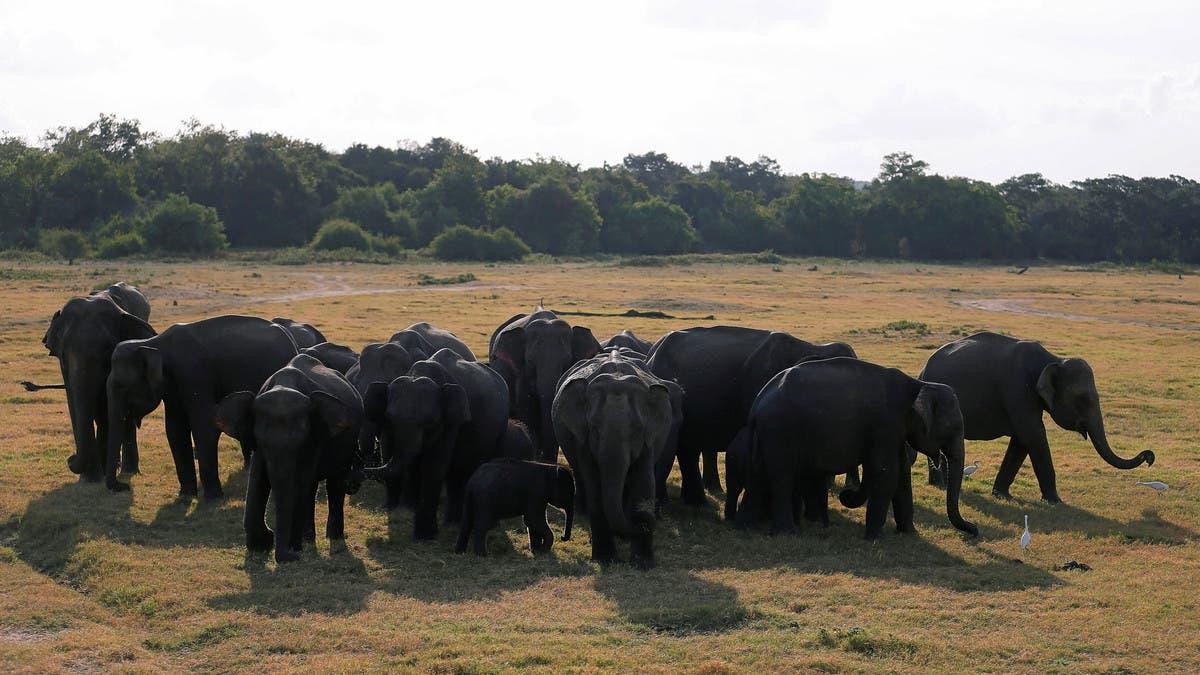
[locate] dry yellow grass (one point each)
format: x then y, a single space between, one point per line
140 581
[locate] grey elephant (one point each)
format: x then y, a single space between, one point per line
721 370
381 362
1004 385
188 368
339 357
507 488
305 334
82 336
303 424
825 417
613 419
628 340
531 352
423 339
437 424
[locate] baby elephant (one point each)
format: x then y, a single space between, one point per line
507 488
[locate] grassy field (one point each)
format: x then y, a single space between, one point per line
141 581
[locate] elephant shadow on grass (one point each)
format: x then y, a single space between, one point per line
693 605
334 584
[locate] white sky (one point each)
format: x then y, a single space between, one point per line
981 89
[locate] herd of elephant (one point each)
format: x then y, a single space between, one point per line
429 415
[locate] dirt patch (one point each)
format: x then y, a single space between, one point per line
693 305
23 636
1023 307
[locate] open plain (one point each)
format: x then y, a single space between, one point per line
143 581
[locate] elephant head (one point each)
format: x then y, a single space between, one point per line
380 362
532 358
935 427
290 430
1068 391
415 415
560 490
135 387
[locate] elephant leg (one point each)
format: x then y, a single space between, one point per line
902 500
879 496
1014 457
179 437
692 483
852 480
479 533
206 435
540 536
639 501
301 517
335 521
1043 465
782 486
425 525
814 497
712 479
456 485
258 488
604 547
409 486
129 450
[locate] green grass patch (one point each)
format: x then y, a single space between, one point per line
700 618
902 326
430 280
210 635
859 641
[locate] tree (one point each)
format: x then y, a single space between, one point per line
653 226
900 165
377 209
62 243
549 217
340 233
820 216
454 197
761 177
114 138
86 189
655 170
176 225
464 243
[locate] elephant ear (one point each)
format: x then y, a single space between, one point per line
456 405
924 409
54 334
583 344
336 415
570 409
658 419
375 402
156 378
234 415
133 328
509 350
1046 382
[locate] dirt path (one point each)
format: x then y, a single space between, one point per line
1022 306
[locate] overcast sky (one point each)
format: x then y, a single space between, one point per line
980 89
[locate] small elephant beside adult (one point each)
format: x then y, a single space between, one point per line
438 423
339 357
1004 385
303 425
423 339
613 419
305 334
507 488
531 352
826 417
82 336
189 368
721 370
628 340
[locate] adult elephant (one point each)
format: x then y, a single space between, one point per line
128 297
189 367
826 417
380 362
613 419
305 334
628 340
339 357
531 352
721 370
1004 385
438 423
425 339
303 425
82 336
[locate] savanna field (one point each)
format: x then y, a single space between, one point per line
92 581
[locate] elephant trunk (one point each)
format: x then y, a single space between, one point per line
1095 428
570 520
612 494
285 519
954 454
117 415
546 384
398 459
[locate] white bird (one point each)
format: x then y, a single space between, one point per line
968 470
1156 484
1025 537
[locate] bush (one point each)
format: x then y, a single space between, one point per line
390 246
67 244
177 225
464 243
340 233
120 245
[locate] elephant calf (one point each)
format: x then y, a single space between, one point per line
507 488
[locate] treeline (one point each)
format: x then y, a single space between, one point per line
115 190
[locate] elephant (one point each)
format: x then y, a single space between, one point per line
628 340
613 419
531 352
303 424
380 362
189 367
305 335
507 488
809 500
128 297
721 370
438 423
516 443
338 357
1003 385
825 417
425 339
83 335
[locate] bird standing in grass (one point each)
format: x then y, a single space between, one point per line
1025 537
972 468
1156 484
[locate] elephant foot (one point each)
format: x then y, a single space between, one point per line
695 498
260 541
187 493
334 534
642 562
213 494
91 477
1051 498
286 556
425 533
1002 494
713 485
310 535
117 486
874 534
130 469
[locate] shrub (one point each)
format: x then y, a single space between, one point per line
120 245
340 233
390 246
67 244
177 225
463 243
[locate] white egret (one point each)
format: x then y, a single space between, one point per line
1156 484
1025 537
972 468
